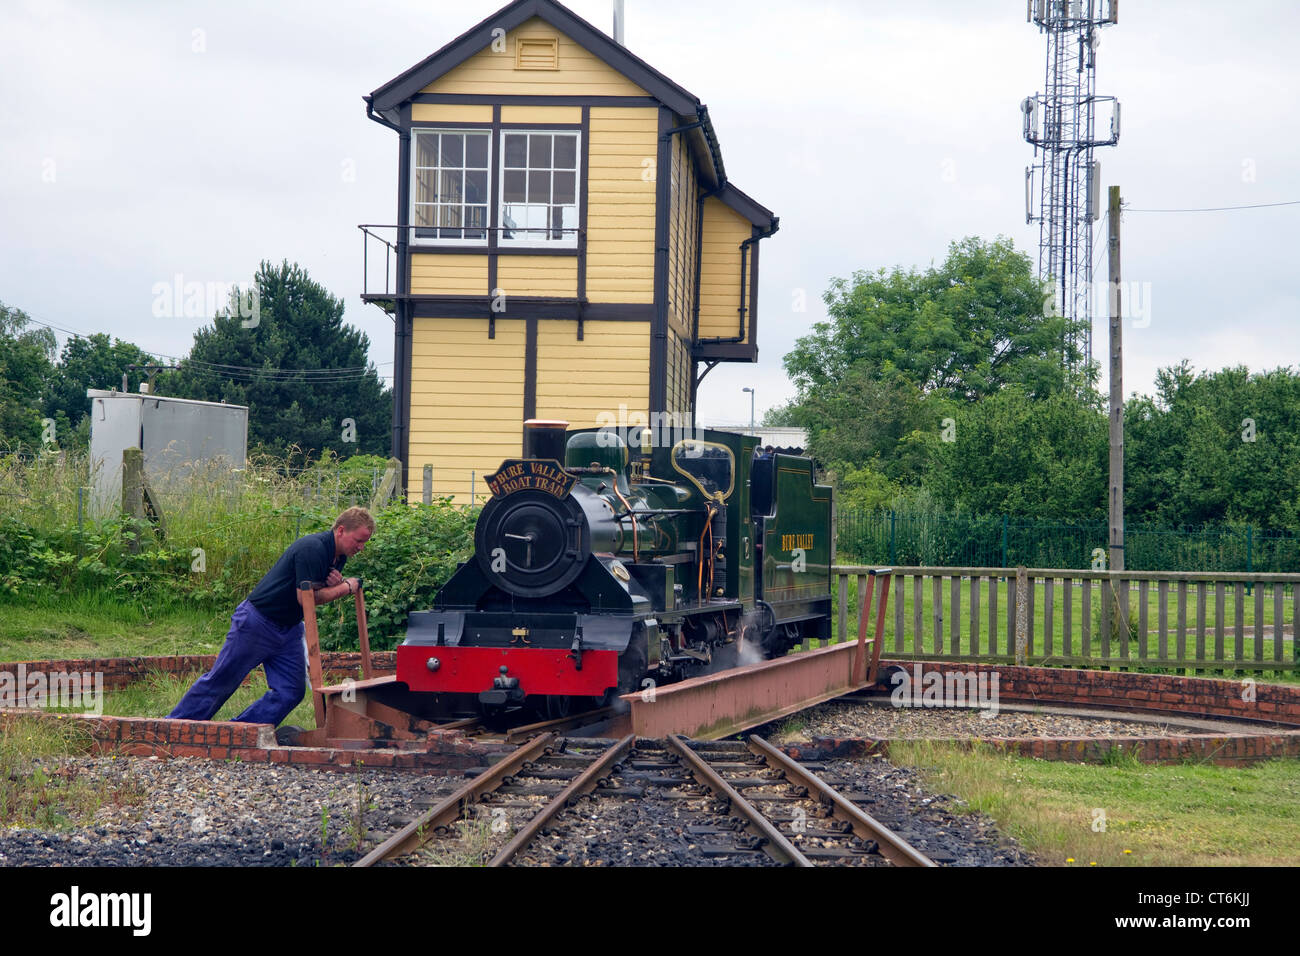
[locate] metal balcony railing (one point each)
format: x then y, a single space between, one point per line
386 235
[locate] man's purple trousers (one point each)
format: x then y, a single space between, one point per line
253 640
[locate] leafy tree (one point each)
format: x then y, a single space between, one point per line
26 356
1011 453
861 489
965 329
782 416
1219 446
300 370
95 361
867 421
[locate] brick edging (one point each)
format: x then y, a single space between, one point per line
1151 693
254 743
1156 693
120 672
1145 693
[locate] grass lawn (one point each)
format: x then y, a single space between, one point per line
1125 813
96 625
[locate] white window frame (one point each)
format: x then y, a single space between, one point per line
425 240
530 241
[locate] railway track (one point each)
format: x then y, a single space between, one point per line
570 801
479 729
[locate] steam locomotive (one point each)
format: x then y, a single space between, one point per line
607 557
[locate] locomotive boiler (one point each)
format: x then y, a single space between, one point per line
608 558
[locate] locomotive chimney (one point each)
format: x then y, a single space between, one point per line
544 438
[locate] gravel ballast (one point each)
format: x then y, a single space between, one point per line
211 813
893 723
196 812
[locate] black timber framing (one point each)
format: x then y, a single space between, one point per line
496 125
659 328
584 183
494 213
725 352
485 99
402 312
752 338
524 306
530 369
427 250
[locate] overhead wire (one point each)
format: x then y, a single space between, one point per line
245 373
1258 205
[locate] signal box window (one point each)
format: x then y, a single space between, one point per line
450 189
539 188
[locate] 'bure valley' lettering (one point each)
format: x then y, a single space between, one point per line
530 475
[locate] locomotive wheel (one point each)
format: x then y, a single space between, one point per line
774 636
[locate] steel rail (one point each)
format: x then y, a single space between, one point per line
777 846
464 723
893 847
585 782
515 734
415 833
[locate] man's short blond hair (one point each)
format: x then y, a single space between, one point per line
354 518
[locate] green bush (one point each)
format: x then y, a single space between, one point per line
347 481
413 552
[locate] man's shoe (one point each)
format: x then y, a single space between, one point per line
287 736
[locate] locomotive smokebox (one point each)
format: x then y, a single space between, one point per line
544 438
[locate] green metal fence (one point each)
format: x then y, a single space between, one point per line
965 540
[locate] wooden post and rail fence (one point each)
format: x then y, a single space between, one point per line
1203 621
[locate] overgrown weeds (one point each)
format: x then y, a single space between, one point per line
224 529
40 787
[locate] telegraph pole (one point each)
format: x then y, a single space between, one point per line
1116 393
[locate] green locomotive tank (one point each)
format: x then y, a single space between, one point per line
606 560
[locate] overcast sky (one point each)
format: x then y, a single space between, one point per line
143 140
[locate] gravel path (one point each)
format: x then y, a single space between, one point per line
208 813
866 720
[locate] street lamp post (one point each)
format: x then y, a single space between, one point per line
751 408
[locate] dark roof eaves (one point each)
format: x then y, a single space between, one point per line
402 87
735 198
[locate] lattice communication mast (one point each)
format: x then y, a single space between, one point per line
1060 123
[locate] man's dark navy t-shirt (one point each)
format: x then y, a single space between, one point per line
308 559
